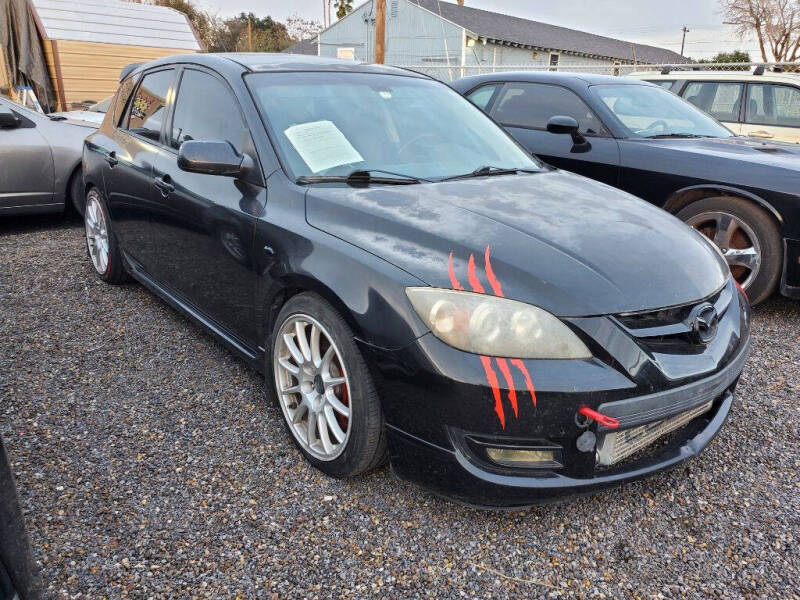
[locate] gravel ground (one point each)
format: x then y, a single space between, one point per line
148 466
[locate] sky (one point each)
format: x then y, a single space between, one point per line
654 22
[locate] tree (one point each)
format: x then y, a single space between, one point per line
343 8
736 56
302 29
207 26
776 24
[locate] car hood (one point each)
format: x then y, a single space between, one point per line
83 118
776 154
568 244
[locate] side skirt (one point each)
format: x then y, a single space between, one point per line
253 357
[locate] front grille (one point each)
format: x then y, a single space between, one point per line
666 330
614 447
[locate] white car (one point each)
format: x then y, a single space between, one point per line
760 104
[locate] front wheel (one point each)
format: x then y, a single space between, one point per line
748 238
325 390
101 243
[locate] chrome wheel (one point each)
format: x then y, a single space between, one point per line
312 386
96 233
737 241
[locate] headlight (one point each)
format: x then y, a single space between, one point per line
494 326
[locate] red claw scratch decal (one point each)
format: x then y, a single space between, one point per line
453 281
512 393
474 282
491 377
528 383
502 363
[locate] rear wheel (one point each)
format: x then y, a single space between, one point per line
101 243
324 389
748 237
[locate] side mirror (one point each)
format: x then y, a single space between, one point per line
211 158
563 124
8 120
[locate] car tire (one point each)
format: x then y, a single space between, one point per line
102 247
76 193
744 220
363 446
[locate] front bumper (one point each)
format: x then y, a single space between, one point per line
790 281
456 473
441 414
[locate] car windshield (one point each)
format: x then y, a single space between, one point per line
333 124
652 112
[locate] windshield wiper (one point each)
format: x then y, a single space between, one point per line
662 136
364 176
57 117
488 170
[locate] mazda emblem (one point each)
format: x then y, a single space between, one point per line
703 322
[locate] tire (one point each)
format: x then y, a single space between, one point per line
75 191
101 242
364 445
746 219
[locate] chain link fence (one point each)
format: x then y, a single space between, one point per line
451 72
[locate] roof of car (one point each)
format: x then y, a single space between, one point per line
262 62
562 78
717 76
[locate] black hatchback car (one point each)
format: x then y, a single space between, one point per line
742 193
410 281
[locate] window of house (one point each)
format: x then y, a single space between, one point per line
149 105
554 58
206 110
533 104
777 105
719 99
346 53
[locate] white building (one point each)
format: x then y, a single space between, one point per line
448 40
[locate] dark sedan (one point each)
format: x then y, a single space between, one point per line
742 193
411 282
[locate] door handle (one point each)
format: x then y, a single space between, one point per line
111 159
761 134
164 184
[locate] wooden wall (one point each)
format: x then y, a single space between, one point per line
90 71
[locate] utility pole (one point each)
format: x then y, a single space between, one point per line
380 31
250 34
683 43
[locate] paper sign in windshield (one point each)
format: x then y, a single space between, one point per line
322 145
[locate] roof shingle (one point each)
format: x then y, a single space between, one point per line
496 26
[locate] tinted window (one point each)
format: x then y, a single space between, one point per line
206 110
481 96
720 100
148 107
532 105
777 105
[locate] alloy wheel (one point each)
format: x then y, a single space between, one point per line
736 240
96 233
312 386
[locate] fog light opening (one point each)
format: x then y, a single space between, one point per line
525 457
